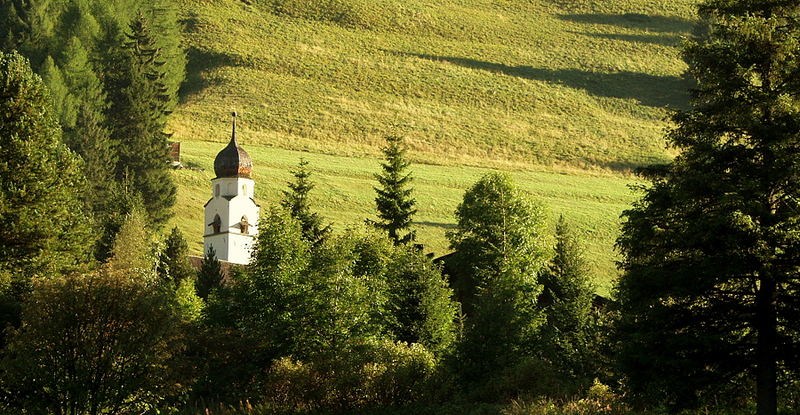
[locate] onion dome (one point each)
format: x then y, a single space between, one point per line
233 161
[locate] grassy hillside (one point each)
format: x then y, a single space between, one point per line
479 82
538 87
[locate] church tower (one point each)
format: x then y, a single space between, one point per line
231 216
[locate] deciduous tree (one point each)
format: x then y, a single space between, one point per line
498 253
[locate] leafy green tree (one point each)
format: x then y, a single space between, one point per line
710 253
566 300
273 306
296 200
174 260
499 253
420 301
394 202
209 278
494 222
43 228
102 342
140 103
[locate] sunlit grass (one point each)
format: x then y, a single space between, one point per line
476 82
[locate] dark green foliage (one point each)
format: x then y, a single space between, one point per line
394 202
209 277
505 321
269 302
43 227
499 254
103 342
309 302
566 338
296 200
113 208
421 301
140 102
709 297
174 263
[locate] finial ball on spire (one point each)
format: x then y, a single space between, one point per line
234 114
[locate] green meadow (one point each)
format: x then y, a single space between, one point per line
568 96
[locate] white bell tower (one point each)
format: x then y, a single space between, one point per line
231 215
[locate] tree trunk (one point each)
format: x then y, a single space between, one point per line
766 353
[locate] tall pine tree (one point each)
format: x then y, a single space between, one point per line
209 277
709 298
566 300
296 200
394 202
173 264
140 104
43 227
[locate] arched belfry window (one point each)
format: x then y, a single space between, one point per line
216 225
216 191
244 225
244 190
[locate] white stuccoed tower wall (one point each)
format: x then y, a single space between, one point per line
231 215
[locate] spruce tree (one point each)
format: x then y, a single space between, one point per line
709 298
173 263
140 102
43 227
296 201
209 277
394 202
566 300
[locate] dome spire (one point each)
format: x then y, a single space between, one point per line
233 130
233 161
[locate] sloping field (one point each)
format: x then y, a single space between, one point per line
565 94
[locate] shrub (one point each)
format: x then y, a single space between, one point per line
373 374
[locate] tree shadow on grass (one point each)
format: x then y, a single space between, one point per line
655 39
650 90
198 63
662 24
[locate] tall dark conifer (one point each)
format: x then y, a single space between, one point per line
173 264
209 277
566 300
709 296
139 107
44 229
394 201
296 200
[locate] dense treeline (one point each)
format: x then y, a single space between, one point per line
102 316
112 69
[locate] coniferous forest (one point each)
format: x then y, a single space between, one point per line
103 313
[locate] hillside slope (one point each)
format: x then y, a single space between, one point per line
480 82
540 88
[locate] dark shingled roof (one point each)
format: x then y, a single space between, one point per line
233 161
